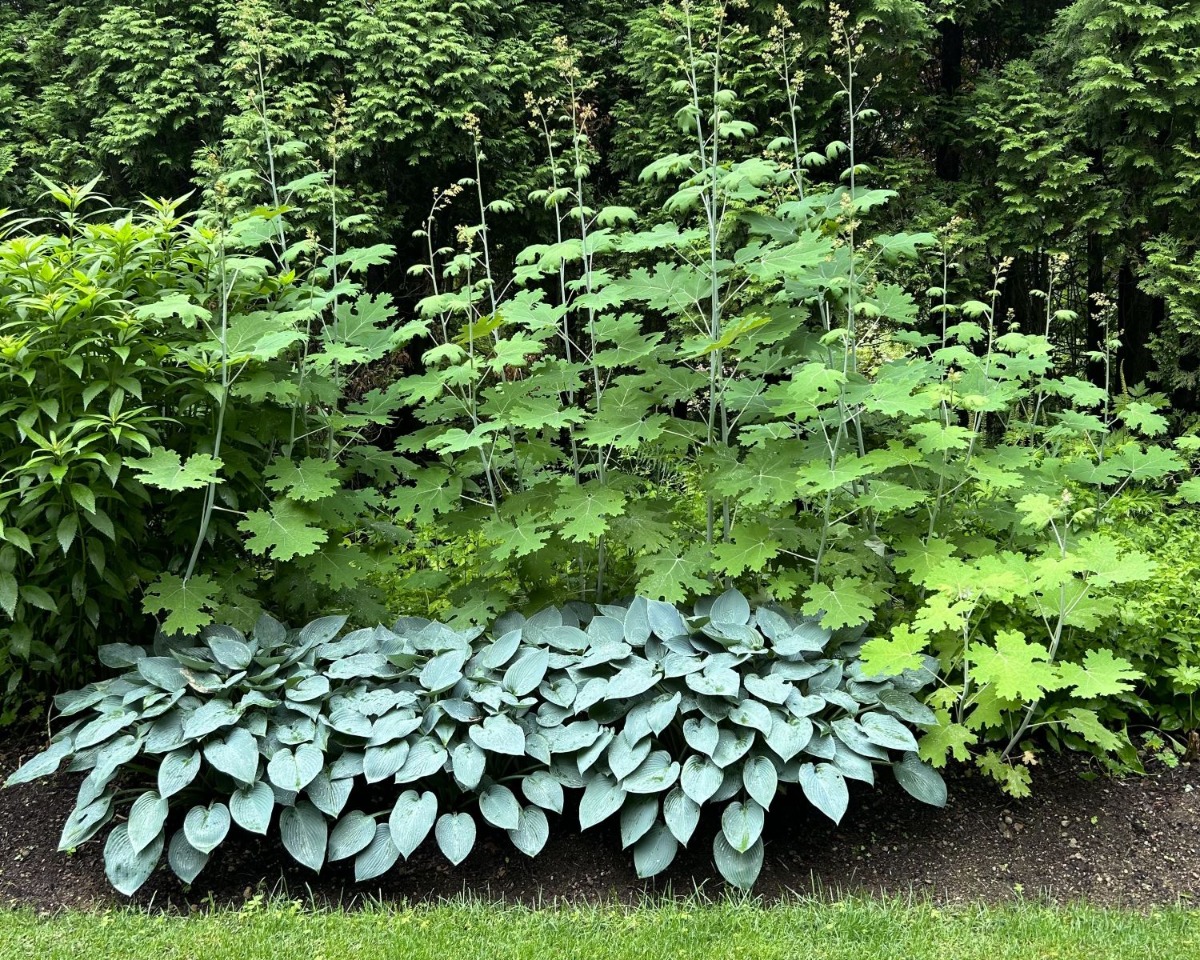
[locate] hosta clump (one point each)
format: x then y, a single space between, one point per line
649 712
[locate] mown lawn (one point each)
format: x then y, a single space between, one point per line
830 931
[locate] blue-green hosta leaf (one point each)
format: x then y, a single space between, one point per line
501 650
455 833
114 754
379 763
637 817
185 860
921 780
126 868
76 701
209 718
362 666
853 735
394 725
531 833
45 764
104 726
658 772
425 758
206 827
714 683
682 814
499 806
701 735
661 712
305 834
825 789
251 807
442 672
739 869
742 824
329 795
235 755
308 689
541 788
730 607
632 680
164 672
886 731
732 745
230 653
761 780
561 692
85 822
146 819
590 694
852 765
118 656
587 757
789 736
467 763
165 734
350 722
526 672
602 797
177 770
499 734
624 755
351 835
654 852
378 858
665 621
907 707
770 689
751 713
411 820
293 770
806 637
700 778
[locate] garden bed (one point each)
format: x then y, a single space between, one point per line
1119 842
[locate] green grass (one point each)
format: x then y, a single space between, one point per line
464 931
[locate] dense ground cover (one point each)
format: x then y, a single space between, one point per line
1119 843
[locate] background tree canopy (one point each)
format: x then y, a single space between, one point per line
1053 129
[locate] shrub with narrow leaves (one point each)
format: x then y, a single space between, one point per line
648 712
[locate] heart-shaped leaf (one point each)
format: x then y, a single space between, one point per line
411 820
251 807
499 734
206 827
236 755
455 833
531 833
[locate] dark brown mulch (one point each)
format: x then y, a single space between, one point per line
1128 842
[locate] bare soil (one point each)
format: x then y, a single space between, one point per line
1130 842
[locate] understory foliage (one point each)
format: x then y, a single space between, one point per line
838 442
370 742
176 427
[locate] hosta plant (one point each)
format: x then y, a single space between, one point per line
647 713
